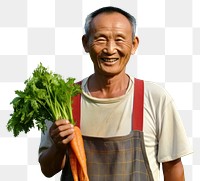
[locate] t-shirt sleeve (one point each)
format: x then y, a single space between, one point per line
45 141
172 139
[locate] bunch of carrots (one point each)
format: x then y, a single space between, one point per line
77 157
47 96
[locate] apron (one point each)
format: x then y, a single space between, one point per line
120 158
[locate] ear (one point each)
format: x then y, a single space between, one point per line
135 44
85 43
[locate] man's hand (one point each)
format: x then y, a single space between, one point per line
61 132
173 171
53 159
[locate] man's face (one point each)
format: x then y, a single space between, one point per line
110 43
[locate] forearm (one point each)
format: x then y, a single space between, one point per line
52 161
173 171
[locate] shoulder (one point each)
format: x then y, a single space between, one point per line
84 82
155 89
156 93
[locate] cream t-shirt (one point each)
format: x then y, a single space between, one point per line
164 135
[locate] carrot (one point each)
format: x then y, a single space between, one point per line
79 166
80 173
73 164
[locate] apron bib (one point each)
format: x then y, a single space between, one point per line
116 158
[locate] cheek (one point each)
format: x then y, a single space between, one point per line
125 52
94 53
96 50
125 47
129 47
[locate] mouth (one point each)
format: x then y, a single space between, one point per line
109 60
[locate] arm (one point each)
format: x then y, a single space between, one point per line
173 171
49 165
53 159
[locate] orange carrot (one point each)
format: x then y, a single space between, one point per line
73 164
77 148
80 173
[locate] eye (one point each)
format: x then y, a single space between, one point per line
101 39
119 40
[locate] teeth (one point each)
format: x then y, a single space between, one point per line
109 59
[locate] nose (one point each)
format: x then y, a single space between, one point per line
110 47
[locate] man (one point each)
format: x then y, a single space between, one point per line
129 126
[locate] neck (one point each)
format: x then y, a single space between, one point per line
108 87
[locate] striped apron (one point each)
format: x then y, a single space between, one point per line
117 158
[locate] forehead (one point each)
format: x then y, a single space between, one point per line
112 20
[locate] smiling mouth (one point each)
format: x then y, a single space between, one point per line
109 59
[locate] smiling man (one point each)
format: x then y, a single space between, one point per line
110 43
129 126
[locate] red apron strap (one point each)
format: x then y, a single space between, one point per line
76 108
138 105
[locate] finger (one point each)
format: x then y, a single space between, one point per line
61 135
66 132
68 139
62 130
61 122
53 130
64 140
64 127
